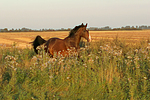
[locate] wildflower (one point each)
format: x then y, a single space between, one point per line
82 49
52 60
120 51
129 57
34 58
143 51
45 64
59 52
128 63
129 79
136 50
85 65
68 78
38 48
40 57
145 78
136 58
32 98
60 61
12 67
89 55
101 47
148 47
56 73
91 60
35 63
13 58
115 47
107 45
115 53
16 63
50 76
8 57
15 69
97 57
99 52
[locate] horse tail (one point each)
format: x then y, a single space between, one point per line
37 42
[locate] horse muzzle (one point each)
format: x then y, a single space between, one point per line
89 39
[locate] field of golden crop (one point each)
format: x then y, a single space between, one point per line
22 39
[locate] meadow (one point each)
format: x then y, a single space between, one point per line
115 66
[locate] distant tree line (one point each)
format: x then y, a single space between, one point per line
106 28
24 30
31 30
122 28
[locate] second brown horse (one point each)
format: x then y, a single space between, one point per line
63 46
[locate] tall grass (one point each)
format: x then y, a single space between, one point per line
105 70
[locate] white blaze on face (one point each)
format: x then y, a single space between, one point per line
90 38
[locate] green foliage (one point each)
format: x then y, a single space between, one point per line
105 70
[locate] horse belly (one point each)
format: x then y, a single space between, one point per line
58 47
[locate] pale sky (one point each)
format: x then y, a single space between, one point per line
38 14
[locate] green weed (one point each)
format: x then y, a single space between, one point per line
105 70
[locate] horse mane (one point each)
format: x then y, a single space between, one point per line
74 30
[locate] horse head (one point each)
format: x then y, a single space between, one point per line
85 33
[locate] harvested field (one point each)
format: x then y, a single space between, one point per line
22 39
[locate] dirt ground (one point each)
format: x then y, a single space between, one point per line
22 39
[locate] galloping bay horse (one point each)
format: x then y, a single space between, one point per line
62 46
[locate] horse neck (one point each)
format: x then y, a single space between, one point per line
77 40
73 40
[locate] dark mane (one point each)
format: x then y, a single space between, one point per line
74 30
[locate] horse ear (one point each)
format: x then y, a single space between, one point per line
82 24
86 25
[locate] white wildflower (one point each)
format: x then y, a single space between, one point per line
145 78
34 59
97 57
148 47
136 50
129 57
68 78
85 65
50 76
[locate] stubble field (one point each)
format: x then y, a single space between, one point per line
114 66
22 39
